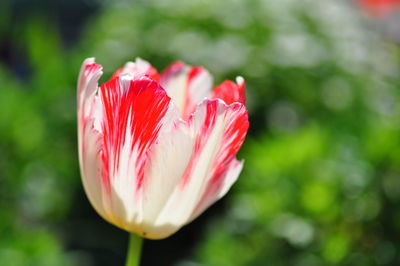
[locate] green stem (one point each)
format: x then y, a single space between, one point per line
134 250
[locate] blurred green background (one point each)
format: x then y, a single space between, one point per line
321 182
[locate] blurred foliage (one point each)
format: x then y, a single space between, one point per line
321 183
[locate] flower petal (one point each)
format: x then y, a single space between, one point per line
224 169
138 69
91 166
89 137
89 76
134 112
203 163
230 92
164 170
218 187
186 85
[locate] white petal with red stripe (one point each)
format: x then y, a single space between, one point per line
134 113
199 157
186 85
89 137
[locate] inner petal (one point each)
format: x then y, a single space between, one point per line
138 69
230 92
186 85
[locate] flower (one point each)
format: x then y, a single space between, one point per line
156 150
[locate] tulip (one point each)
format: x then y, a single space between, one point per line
155 150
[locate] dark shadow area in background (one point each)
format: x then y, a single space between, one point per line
68 17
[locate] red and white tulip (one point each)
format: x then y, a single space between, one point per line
156 150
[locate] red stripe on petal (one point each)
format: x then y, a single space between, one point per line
230 92
236 125
234 122
191 101
201 138
194 71
233 137
133 109
225 168
209 122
